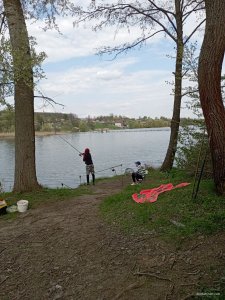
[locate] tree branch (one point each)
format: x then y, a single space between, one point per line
126 47
110 15
2 22
49 100
161 9
190 92
166 13
188 4
6 83
156 21
196 28
195 9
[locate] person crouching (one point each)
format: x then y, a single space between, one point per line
138 176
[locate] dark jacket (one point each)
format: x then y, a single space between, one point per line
87 159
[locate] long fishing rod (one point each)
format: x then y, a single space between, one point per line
63 184
109 168
195 190
69 144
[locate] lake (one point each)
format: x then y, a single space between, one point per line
57 162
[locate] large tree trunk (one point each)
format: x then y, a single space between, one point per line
25 173
209 72
175 122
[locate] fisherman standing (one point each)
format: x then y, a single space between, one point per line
89 165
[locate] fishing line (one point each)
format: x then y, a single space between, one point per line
69 144
110 168
81 153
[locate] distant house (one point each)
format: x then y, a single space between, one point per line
118 125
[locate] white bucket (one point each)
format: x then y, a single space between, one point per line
22 205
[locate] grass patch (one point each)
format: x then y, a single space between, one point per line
45 195
205 215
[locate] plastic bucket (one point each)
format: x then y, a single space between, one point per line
22 205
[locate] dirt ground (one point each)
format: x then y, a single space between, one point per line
64 250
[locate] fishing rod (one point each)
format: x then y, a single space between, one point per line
80 176
196 187
111 168
69 144
63 184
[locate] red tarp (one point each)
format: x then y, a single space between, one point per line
151 195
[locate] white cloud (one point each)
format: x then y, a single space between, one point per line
122 86
107 75
78 41
111 89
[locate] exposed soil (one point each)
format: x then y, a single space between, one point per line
64 250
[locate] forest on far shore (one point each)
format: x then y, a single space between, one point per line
52 122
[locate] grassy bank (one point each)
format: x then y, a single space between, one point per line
44 196
174 215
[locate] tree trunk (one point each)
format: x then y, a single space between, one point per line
25 173
209 73
175 122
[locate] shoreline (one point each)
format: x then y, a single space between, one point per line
11 135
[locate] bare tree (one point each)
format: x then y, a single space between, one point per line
209 71
152 17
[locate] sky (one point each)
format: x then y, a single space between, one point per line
134 84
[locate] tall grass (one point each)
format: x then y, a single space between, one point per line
174 215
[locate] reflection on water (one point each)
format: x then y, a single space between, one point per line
57 162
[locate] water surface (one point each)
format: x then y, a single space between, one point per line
57 162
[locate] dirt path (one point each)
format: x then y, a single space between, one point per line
66 251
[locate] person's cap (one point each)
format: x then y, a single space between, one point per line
137 163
